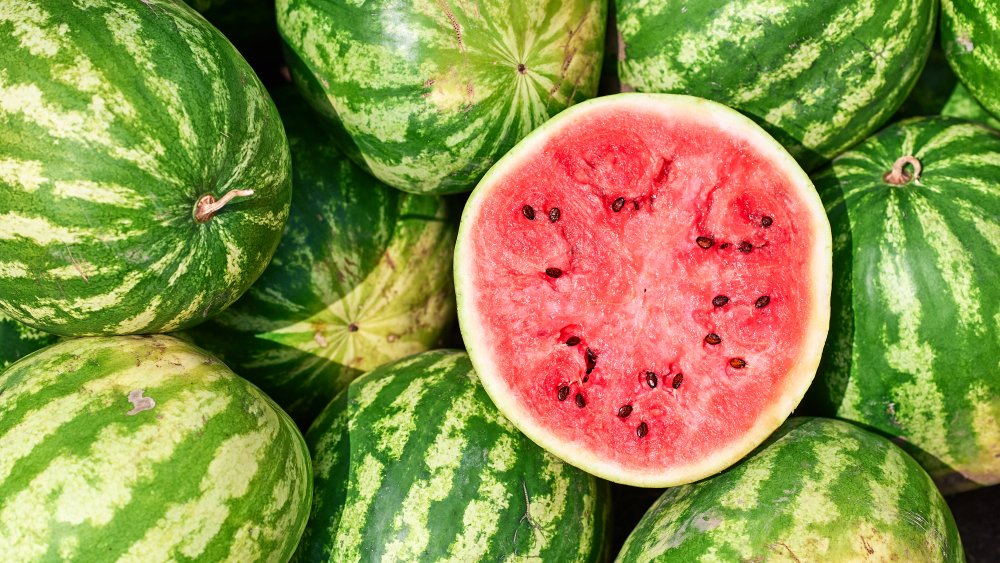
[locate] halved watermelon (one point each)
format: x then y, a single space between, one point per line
644 286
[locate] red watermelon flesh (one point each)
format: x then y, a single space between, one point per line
644 286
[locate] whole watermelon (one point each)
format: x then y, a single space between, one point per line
819 76
412 461
18 340
123 126
361 277
817 490
431 94
145 448
914 212
970 36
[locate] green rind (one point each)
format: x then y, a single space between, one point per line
431 92
213 471
970 36
18 340
362 277
916 309
413 462
819 76
818 490
116 117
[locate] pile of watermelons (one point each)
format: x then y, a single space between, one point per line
725 287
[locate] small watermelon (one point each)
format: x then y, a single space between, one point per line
643 286
413 462
820 490
145 448
970 36
915 211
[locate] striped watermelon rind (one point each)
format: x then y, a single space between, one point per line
970 36
819 76
145 448
915 297
116 118
413 461
817 490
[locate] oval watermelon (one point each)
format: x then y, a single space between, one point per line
819 76
361 277
135 448
121 122
432 93
818 490
916 301
643 286
970 36
413 462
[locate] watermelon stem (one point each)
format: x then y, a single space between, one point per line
898 175
208 206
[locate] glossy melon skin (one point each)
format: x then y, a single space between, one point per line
818 76
817 490
413 462
116 118
971 42
145 448
915 297
431 94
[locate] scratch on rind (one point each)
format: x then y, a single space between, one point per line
527 515
454 23
139 403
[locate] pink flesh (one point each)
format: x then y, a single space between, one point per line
637 289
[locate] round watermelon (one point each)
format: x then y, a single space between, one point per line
819 490
643 286
18 340
431 94
970 36
144 173
413 462
914 212
145 448
819 76
361 277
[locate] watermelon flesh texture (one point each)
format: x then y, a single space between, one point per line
648 290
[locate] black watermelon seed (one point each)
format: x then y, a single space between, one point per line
713 338
720 300
572 340
624 411
580 401
766 221
642 430
528 212
553 272
745 247
591 360
563 392
586 378
678 379
725 245
554 214
651 379
617 205
738 363
635 204
762 301
704 242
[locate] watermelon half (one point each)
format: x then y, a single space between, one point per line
644 286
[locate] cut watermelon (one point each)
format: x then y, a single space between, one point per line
644 286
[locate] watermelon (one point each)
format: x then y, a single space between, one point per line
145 448
820 490
413 462
970 36
914 212
144 172
430 94
643 286
361 277
819 76
18 340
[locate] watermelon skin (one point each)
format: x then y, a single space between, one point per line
116 117
915 298
413 461
361 277
210 469
18 340
431 93
818 76
970 36
852 496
